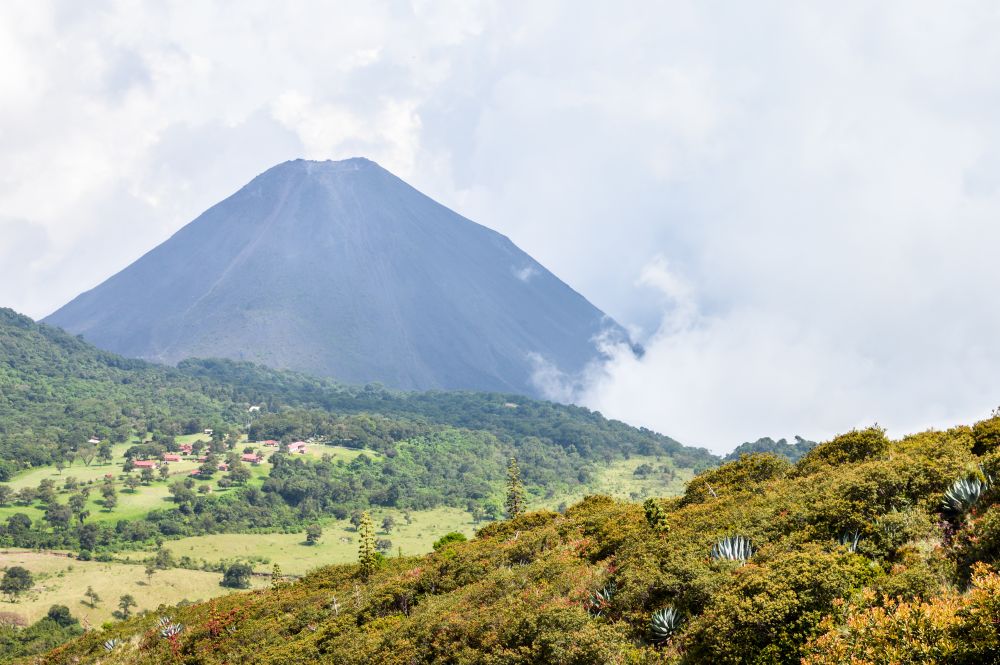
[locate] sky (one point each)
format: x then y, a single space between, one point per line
795 207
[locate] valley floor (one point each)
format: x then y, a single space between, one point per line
62 580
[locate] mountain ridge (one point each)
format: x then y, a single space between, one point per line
341 269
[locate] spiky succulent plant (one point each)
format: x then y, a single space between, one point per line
733 548
600 600
663 624
849 539
112 644
171 630
964 493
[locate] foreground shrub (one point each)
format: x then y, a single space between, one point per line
855 446
773 606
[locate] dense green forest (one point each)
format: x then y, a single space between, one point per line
56 391
427 449
868 550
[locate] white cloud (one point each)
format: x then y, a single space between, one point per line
798 200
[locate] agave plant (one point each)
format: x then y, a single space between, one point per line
171 630
163 622
112 644
600 600
664 623
964 493
733 548
849 539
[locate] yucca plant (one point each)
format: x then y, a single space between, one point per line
849 539
600 600
733 548
664 623
112 644
964 493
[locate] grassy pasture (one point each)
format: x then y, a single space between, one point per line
339 543
61 580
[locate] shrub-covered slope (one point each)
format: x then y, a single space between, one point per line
866 551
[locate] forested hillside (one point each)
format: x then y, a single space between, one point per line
868 550
422 450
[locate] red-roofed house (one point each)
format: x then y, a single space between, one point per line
223 467
297 447
253 458
272 443
144 464
186 448
171 457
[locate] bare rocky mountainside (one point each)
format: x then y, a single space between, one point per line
341 269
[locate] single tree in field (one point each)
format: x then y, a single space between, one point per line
133 482
47 491
86 453
78 504
16 581
388 523
60 464
125 604
237 576
58 515
26 495
147 476
110 496
150 571
104 453
239 473
356 519
277 579
6 493
92 597
313 533
164 558
164 472
515 490
367 554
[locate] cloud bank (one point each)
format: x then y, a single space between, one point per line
794 205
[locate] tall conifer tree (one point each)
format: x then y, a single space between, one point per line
515 490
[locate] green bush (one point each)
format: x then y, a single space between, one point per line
855 446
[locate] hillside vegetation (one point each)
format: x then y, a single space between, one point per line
868 550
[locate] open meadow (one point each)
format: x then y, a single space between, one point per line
63 580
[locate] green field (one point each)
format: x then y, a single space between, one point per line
62 580
618 480
339 543
134 505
